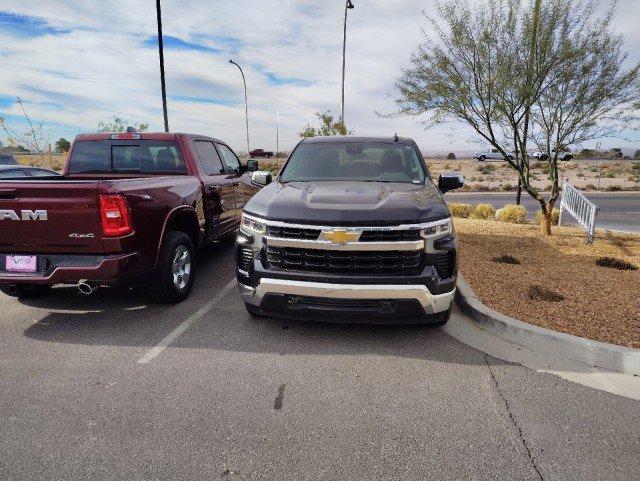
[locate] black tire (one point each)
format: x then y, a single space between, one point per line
25 290
169 285
252 310
482 158
441 318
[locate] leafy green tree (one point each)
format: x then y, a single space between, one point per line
522 72
451 156
328 126
120 125
62 145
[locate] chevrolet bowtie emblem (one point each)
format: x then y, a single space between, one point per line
340 236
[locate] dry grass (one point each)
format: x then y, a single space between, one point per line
597 302
57 161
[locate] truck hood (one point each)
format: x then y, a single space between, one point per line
349 203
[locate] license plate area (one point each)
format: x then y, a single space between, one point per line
18 264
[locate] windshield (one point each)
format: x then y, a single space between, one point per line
126 156
356 161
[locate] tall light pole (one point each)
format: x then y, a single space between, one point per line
347 6
246 106
161 54
277 133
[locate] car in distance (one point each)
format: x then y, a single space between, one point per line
353 229
8 159
17 171
491 154
130 209
261 153
563 155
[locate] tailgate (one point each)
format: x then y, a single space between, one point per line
50 216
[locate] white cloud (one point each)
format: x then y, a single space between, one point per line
101 66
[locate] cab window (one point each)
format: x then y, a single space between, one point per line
230 159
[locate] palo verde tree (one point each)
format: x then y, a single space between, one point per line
328 126
33 137
120 125
504 66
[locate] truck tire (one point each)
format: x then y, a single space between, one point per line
175 271
252 310
25 290
441 318
482 158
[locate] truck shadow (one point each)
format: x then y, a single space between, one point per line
127 319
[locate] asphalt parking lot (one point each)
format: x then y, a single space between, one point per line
83 394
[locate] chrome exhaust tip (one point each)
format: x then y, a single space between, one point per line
86 288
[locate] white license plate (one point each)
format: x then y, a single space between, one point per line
27 264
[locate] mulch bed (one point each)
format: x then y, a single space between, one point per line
557 284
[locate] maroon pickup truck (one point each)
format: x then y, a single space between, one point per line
130 208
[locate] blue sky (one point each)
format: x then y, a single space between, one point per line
78 62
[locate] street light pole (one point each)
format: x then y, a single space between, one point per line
246 106
161 54
347 6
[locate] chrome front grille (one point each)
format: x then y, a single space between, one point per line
344 262
292 232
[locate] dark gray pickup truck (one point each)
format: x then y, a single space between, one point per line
352 229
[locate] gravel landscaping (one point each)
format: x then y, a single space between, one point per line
557 282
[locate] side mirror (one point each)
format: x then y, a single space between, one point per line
449 182
261 177
252 165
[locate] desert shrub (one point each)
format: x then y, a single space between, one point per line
590 187
555 216
610 175
507 186
514 214
460 210
614 263
447 166
614 188
486 169
540 293
451 156
539 165
483 211
506 259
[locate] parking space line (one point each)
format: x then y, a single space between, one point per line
177 332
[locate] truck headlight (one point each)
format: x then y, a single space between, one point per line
437 229
252 224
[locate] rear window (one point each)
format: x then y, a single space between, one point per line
126 157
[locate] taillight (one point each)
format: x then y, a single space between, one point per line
114 213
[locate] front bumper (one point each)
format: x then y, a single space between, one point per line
430 303
352 303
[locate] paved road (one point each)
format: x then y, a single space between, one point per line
240 398
620 211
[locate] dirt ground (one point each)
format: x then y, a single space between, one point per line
591 175
599 303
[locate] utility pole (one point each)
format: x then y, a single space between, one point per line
246 105
347 6
277 133
161 54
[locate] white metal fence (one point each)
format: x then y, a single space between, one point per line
580 208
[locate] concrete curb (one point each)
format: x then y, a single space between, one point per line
594 353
